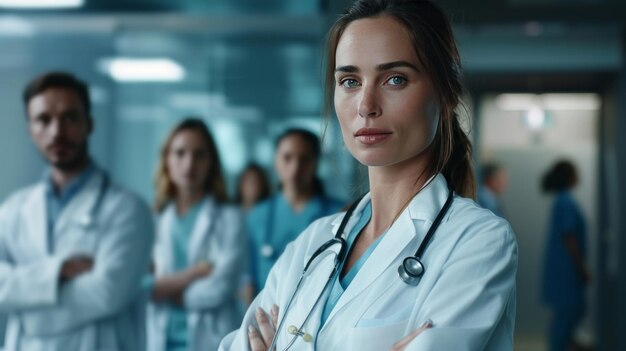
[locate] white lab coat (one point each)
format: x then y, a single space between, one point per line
210 302
468 289
96 311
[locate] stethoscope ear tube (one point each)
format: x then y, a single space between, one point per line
323 248
338 239
87 222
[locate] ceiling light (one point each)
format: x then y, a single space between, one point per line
549 101
535 118
143 70
41 4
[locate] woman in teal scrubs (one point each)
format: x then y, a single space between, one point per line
565 273
198 248
275 222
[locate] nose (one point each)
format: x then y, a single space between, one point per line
186 163
299 166
369 105
55 128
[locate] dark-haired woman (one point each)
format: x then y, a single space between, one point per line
253 187
416 265
275 222
565 272
198 252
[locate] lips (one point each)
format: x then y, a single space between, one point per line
60 147
61 143
371 136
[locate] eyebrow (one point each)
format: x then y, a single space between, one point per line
382 67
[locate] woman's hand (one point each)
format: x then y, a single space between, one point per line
402 344
171 288
260 340
199 271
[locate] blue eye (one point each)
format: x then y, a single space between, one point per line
396 80
349 83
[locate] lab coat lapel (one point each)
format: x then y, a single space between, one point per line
387 252
35 218
164 251
80 206
201 230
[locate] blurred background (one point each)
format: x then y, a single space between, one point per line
546 79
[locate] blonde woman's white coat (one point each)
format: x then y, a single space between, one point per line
210 302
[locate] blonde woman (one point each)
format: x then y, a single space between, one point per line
198 249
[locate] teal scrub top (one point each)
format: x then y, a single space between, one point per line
273 224
182 230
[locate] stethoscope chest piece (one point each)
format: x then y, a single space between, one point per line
267 251
411 270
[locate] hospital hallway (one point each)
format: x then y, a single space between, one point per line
545 87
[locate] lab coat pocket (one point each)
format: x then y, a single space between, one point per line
401 316
377 335
389 307
78 241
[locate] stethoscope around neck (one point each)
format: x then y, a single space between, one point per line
88 220
410 271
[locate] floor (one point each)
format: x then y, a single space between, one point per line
530 343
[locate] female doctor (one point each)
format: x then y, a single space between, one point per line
198 246
416 265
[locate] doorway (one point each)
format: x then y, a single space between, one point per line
526 134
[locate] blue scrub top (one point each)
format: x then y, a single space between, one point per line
182 229
562 283
276 215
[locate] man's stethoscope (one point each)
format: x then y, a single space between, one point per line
410 271
88 220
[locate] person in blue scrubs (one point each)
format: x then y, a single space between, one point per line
197 257
493 182
565 273
275 222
